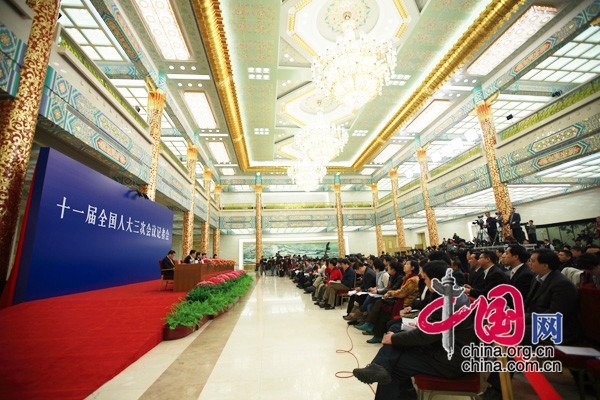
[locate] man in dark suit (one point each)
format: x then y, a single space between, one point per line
491 224
551 292
191 258
514 220
475 271
492 275
167 265
520 274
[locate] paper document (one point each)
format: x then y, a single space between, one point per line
409 324
354 292
375 295
579 351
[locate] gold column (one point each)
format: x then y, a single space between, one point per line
217 230
501 195
337 188
188 216
399 222
16 138
258 223
206 225
429 211
378 235
156 105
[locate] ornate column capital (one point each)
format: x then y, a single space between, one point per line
337 187
258 188
207 174
393 173
218 189
374 187
422 154
192 153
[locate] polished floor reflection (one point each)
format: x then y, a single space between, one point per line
274 344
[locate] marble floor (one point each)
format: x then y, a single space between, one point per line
274 344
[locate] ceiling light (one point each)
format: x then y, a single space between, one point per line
321 141
355 70
387 153
197 103
307 175
514 37
200 77
471 136
428 115
219 151
160 20
228 171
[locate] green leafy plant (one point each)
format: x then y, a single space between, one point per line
207 300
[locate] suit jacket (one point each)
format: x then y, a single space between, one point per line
167 263
494 277
556 294
369 279
522 280
459 277
476 277
431 345
188 260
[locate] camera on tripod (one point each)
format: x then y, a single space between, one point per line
478 221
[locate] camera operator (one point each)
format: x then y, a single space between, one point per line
492 227
514 221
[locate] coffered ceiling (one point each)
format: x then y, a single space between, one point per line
239 83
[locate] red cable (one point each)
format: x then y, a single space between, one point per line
349 374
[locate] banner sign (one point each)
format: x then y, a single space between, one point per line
85 231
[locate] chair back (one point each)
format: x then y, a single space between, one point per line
589 298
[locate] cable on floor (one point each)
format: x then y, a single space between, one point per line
349 374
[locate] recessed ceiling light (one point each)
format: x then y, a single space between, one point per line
201 77
182 67
199 107
428 115
160 19
171 67
219 151
193 67
514 37
387 153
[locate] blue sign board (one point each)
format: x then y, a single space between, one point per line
85 231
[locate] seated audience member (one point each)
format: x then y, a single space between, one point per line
566 259
167 265
334 275
457 273
203 257
492 275
548 245
408 291
214 257
191 258
551 292
576 251
411 352
593 248
589 262
475 271
371 303
520 275
369 280
346 283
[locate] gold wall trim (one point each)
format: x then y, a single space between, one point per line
488 22
212 30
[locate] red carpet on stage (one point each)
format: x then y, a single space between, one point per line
66 347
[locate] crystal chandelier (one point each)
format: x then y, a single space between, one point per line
307 175
355 70
321 141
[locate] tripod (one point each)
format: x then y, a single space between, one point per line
480 236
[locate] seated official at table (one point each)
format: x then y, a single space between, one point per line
168 265
191 258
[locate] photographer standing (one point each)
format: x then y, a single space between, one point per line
514 221
492 227
530 228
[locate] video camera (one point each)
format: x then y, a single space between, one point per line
478 221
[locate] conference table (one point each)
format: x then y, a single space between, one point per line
186 276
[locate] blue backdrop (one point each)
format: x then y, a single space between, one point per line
85 231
